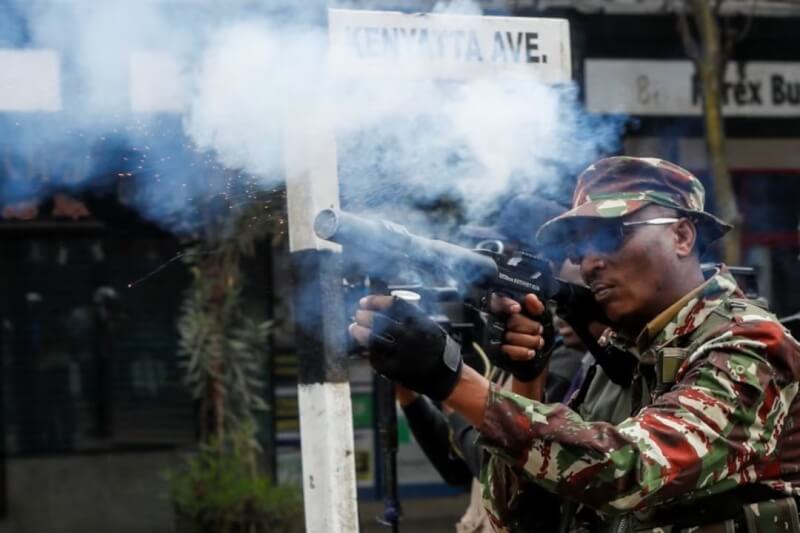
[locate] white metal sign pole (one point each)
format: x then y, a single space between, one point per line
326 428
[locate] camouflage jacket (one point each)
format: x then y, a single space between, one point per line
728 415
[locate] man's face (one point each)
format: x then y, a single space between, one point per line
631 276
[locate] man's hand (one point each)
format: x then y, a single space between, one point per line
527 341
406 346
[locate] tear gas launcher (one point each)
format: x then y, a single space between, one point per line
376 243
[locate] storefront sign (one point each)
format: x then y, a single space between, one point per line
30 80
668 88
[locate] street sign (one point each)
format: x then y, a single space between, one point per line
448 46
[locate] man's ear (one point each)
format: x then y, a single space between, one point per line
685 237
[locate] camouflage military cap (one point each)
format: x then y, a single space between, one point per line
618 186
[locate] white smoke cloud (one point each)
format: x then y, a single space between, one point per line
252 79
425 138
252 73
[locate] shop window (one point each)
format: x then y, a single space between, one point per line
88 363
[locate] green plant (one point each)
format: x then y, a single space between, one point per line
215 490
223 345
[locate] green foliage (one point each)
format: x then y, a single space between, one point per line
217 490
222 346
223 349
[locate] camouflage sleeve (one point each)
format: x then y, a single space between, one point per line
717 428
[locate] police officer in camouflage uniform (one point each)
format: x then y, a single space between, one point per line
712 440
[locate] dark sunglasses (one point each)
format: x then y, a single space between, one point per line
607 238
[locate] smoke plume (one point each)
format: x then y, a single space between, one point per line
234 78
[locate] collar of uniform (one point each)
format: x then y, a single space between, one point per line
686 314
